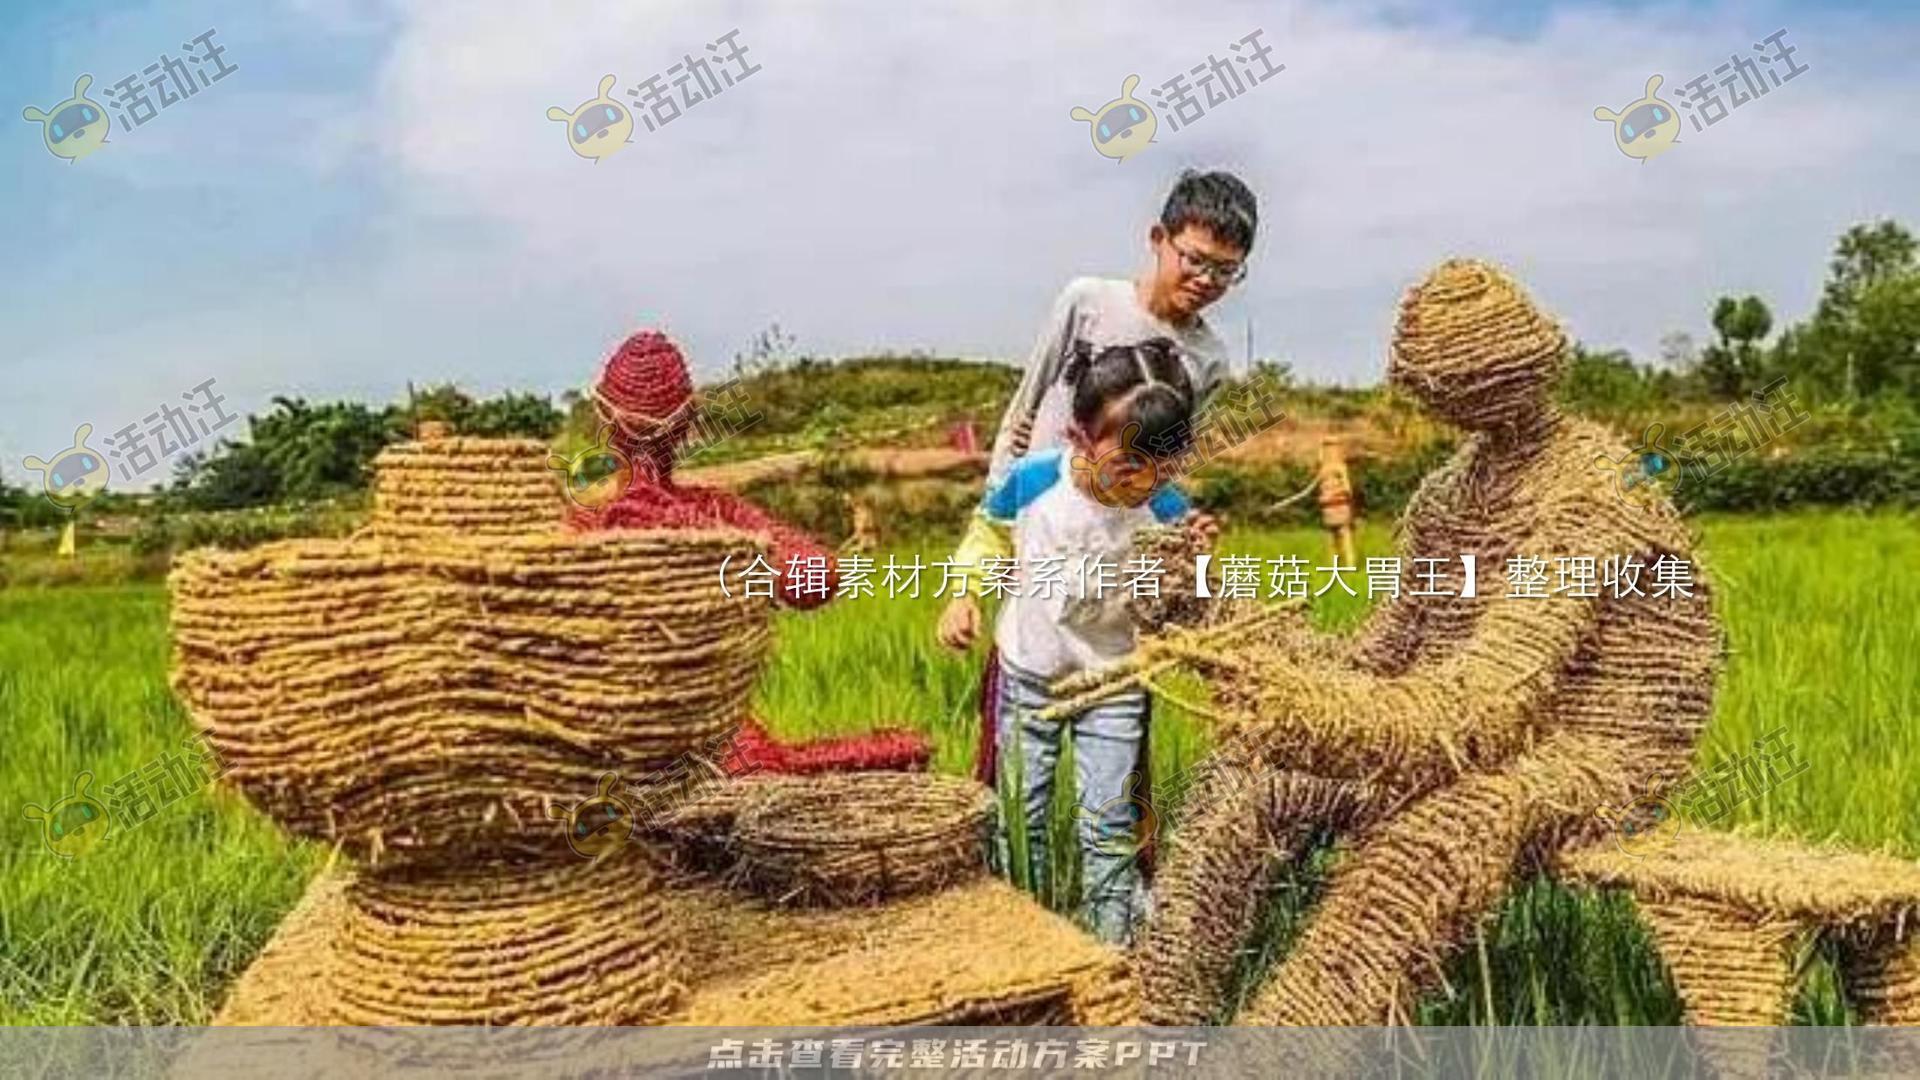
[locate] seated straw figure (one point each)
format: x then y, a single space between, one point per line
1474 725
645 396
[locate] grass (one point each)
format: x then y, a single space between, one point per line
152 927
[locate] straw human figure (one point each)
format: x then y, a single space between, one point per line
1335 489
645 396
1458 740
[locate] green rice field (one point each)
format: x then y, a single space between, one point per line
151 928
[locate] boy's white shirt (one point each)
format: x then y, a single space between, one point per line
1103 311
1065 632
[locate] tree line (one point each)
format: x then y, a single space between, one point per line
1858 350
1859 347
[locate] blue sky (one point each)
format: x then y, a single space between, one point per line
376 194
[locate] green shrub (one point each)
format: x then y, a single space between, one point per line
164 534
1814 476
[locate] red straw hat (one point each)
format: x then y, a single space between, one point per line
645 385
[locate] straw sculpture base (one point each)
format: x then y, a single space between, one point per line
980 953
498 942
1726 910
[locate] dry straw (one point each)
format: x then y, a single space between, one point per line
862 837
507 942
463 487
834 839
1729 911
420 693
1489 729
979 952
422 698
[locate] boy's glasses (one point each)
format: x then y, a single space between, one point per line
1198 265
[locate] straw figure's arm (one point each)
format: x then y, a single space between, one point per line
1392 634
788 543
1444 716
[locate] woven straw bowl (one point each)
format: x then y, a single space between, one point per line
861 837
414 699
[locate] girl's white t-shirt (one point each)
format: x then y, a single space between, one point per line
1068 611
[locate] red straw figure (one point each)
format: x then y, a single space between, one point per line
645 395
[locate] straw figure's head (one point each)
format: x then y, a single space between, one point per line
646 394
1470 345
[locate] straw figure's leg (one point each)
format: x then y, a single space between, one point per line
1240 823
1343 544
1883 978
1208 893
1731 966
1421 879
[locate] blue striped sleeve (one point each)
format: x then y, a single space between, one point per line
1028 479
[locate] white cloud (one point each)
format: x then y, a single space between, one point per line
905 175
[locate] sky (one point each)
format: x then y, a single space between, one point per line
375 195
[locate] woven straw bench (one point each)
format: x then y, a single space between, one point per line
1729 913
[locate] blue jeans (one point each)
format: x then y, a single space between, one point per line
1106 752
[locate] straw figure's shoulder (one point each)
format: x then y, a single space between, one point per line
1592 501
1438 496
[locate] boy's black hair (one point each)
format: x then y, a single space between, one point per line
1216 201
1121 385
